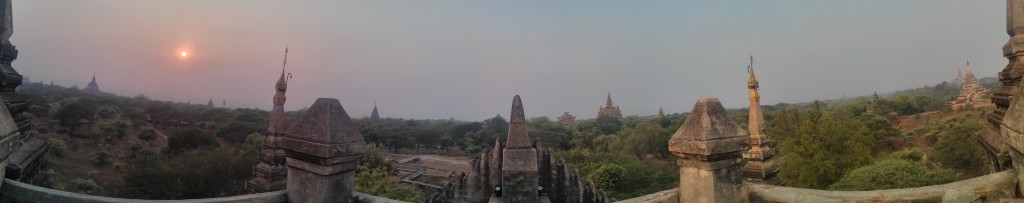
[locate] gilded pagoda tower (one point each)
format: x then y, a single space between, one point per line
760 166
271 173
609 109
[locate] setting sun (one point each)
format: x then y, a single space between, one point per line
184 53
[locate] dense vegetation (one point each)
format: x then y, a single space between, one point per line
136 147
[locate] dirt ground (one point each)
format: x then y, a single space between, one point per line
436 165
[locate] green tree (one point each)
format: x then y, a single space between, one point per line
609 125
189 139
201 173
73 114
374 178
959 150
893 174
610 177
826 146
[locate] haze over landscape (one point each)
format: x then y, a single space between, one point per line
465 60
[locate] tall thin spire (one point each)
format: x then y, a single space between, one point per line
608 102
759 167
752 81
271 172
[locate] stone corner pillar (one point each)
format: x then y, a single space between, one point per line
323 148
709 145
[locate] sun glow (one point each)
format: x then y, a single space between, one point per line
184 54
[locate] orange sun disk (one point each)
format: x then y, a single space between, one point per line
184 54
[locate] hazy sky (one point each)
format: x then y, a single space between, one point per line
467 59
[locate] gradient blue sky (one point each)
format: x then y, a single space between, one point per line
466 59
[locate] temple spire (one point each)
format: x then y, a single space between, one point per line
271 172
760 165
517 130
608 102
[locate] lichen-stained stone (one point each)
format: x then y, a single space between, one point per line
708 133
323 148
708 145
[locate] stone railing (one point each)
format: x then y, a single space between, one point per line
22 192
988 188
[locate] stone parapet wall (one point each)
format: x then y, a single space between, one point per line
989 188
23 192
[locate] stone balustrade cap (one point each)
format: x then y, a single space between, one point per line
708 132
325 130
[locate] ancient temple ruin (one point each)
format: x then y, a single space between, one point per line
519 171
566 119
92 86
760 166
374 116
661 113
609 109
972 91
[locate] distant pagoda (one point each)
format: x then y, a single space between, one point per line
272 173
760 166
374 116
92 86
971 92
661 112
209 104
567 119
609 109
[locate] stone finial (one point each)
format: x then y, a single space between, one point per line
708 145
519 175
518 136
323 147
708 133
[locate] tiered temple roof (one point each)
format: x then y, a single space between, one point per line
609 109
567 119
972 91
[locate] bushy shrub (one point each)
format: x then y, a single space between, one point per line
959 150
907 154
57 146
892 174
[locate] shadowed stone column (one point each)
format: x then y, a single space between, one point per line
1011 75
9 139
11 120
323 148
1009 114
708 145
